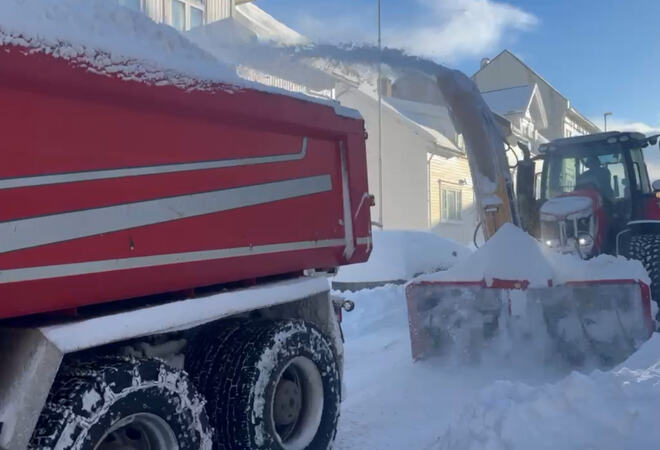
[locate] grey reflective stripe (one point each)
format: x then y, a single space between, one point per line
364 241
41 180
90 267
32 232
346 200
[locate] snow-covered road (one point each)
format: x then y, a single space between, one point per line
393 403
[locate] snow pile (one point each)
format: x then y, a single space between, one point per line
393 403
512 254
605 410
401 255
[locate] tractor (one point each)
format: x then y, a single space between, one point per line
593 196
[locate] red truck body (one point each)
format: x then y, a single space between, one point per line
114 189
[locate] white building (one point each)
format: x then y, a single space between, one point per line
506 71
184 14
524 112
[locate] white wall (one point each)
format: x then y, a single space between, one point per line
405 170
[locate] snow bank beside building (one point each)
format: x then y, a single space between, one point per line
512 254
605 410
401 255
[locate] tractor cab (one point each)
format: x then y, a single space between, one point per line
590 189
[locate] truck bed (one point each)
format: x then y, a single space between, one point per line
117 189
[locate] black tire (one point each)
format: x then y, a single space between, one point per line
89 399
241 372
646 249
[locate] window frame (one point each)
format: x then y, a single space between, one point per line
446 186
188 5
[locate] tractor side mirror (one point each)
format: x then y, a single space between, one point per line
656 185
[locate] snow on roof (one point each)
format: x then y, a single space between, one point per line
429 118
517 100
266 27
513 100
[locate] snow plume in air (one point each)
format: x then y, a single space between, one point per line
447 30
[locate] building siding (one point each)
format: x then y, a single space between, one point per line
214 10
404 164
451 172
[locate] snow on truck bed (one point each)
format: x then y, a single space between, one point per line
109 39
401 255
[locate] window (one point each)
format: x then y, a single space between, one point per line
196 17
573 129
451 204
178 15
132 4
187 14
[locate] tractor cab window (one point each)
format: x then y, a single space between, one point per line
604 171
639 169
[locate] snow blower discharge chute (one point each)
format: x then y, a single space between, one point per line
587 310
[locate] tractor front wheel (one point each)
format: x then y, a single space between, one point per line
646 249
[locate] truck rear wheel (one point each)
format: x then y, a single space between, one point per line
646 249
127 404
272 385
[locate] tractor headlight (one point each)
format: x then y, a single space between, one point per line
585 244
552 243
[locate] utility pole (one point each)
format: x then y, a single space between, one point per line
605 119
380 120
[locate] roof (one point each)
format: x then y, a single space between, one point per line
518 100
422 116
526 66
266 27
506 101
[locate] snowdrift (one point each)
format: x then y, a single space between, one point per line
400 255
512 254
616 409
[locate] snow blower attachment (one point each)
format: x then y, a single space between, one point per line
510 282
605 320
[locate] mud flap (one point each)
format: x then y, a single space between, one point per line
607 319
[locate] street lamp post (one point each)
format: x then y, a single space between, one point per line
605 119
380 122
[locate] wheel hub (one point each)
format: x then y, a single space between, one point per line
288 403
297 404
141 431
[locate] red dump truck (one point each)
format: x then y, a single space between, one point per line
162 255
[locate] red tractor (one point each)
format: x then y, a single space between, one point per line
593 196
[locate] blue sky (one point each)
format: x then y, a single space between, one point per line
604 55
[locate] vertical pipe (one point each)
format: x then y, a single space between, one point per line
380 122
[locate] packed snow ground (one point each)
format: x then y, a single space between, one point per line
509 401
